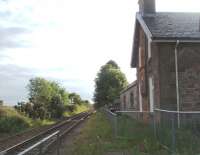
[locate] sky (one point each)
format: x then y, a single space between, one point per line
67 41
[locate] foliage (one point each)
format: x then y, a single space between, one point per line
47 100
1 102
11 121
98 138
75 98
76 109
56 107
40 91
109 83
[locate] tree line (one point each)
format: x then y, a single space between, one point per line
48 100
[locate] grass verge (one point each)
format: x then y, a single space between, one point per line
97 138
12 122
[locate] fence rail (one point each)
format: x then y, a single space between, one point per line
183 139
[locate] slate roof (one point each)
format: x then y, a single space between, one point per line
166 26
133 84
184 26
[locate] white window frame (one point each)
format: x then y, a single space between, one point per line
149 49
140 99
151 93
140 57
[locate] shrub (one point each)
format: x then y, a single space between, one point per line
13 124
11 121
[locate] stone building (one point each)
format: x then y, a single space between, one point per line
166 54
129 98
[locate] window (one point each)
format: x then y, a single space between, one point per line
140 57
124 101
132 99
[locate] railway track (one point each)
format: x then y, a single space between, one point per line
46 138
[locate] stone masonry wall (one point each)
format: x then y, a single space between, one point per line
189 76
127 102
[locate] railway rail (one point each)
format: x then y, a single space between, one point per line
39 143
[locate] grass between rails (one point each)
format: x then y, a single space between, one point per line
97 138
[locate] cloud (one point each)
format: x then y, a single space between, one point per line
70 40
12 37
5 14
13 81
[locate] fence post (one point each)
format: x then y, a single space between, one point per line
115 125
154 124
173 134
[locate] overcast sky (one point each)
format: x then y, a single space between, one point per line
67 41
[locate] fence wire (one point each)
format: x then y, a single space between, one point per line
161 125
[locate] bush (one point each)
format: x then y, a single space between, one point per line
11 121
13 124
71 108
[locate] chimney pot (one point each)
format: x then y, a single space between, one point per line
147 6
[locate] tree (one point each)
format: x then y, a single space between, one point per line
1 102
113 64
75 98
39 111
57 107
40 91
21 107
110 81
48 98
29 109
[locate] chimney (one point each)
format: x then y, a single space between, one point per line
147 6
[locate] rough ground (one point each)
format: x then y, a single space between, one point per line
68 141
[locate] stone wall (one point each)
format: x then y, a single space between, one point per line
188 74
189 77
167 76
129 98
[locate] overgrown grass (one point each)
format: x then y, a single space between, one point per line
12 121
78 109
187 140
97 138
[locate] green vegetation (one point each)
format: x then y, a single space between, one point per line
11 121
77 109
48 100
186 138
109 83
98 138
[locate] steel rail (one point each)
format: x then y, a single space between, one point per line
38 143
42 134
